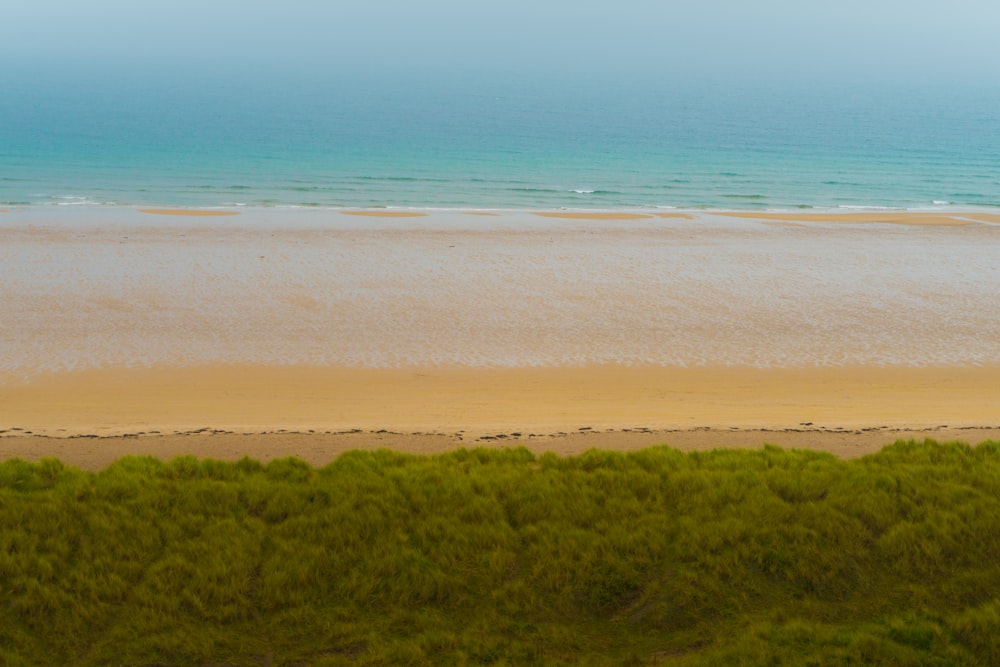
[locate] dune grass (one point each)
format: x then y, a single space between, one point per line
503 557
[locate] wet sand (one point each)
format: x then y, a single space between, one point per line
884 217
187 212
698 330
581 215
386 214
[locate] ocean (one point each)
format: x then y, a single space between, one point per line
325 142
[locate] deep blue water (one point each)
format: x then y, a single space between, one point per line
317 142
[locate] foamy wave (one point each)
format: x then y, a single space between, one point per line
940 202
583 192
74 200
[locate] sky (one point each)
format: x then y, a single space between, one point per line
923 41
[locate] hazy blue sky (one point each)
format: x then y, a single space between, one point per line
917 40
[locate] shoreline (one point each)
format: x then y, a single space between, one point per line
291 218
856 213
318 449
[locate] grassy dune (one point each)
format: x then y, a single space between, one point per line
501 557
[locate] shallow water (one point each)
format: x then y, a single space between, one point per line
513 145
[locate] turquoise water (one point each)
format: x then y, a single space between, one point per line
329 143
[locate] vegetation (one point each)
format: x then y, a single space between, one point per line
501 557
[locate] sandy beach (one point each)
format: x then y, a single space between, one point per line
270 332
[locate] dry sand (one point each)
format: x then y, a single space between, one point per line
482 400
609 330
316 413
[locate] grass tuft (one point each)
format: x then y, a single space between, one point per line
501 557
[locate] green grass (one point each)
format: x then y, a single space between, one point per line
501 557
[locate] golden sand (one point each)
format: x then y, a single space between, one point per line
386 214
679 216
186 212
541 400
572 215
316 413
890 217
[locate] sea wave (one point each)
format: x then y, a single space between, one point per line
597 191
76 200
